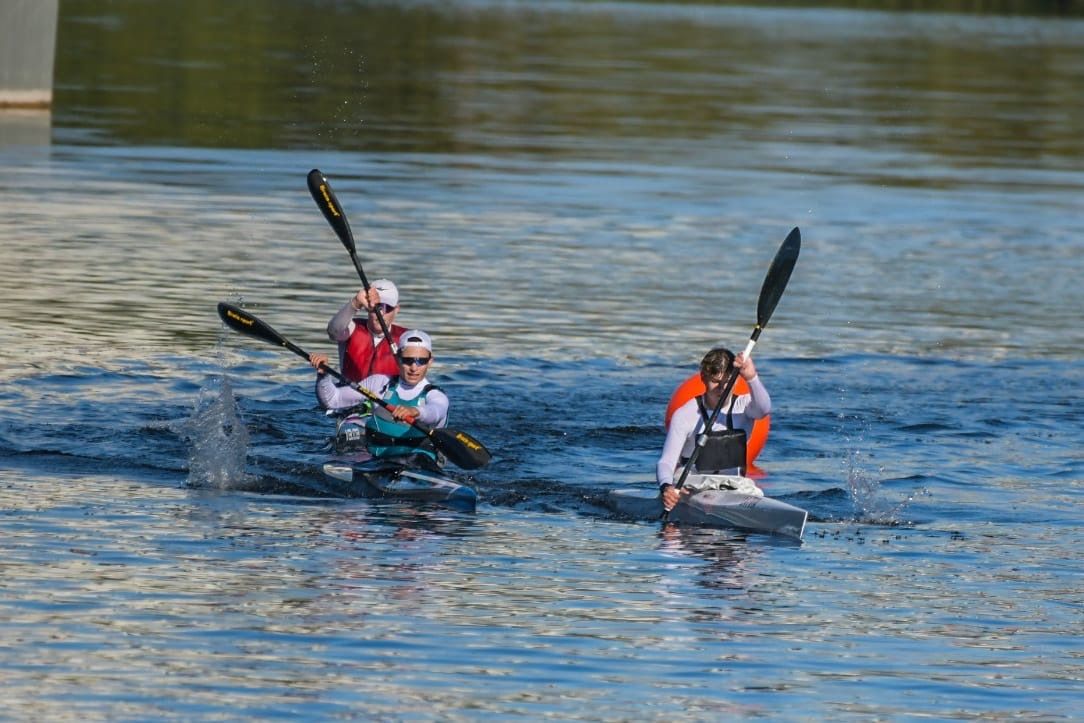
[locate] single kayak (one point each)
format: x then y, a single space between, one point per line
715 501
413 477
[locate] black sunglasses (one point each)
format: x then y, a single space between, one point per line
383 308
418 361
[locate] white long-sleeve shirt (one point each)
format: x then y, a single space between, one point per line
434 410
686 424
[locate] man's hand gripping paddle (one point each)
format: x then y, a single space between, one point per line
336 216
775 282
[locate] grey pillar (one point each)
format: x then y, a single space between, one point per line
27 51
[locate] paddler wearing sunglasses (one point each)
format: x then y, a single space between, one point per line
409 393
357 330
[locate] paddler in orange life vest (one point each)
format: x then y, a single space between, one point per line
409 392
724 450
363 350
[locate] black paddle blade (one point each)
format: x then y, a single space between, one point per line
775 281
241 321
331 208
460 448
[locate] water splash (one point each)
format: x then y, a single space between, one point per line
218 438
870 503
865 489
871 506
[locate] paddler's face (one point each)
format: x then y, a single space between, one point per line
387 311
413 363
713 384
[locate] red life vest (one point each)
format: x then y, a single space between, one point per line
360 360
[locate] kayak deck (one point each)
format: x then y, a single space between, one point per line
714 508
407 478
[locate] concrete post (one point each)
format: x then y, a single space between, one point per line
27 52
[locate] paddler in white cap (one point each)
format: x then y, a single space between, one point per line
409 394
356 328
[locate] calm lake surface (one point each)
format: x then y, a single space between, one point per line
577 200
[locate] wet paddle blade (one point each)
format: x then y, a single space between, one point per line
245 323
331 208
460 448
333 211
775 281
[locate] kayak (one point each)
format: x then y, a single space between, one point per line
715 502
412 477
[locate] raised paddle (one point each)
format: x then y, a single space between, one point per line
775 282
336 216
459 447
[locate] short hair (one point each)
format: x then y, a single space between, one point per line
719 360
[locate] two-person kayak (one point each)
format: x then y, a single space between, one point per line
412 477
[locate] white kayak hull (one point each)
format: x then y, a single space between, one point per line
714 508
400 480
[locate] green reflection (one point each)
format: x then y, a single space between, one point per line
564 79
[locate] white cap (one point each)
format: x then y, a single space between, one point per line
416 337
389 294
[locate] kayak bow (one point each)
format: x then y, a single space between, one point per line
719 507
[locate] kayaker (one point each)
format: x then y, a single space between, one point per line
724 451
363 350
409 392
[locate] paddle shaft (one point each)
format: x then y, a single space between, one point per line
246 323
333 211
775 282
460 448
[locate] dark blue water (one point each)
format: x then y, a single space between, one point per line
170 552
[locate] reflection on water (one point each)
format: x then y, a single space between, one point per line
25 132
726 553
576 199
670 135
586 82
